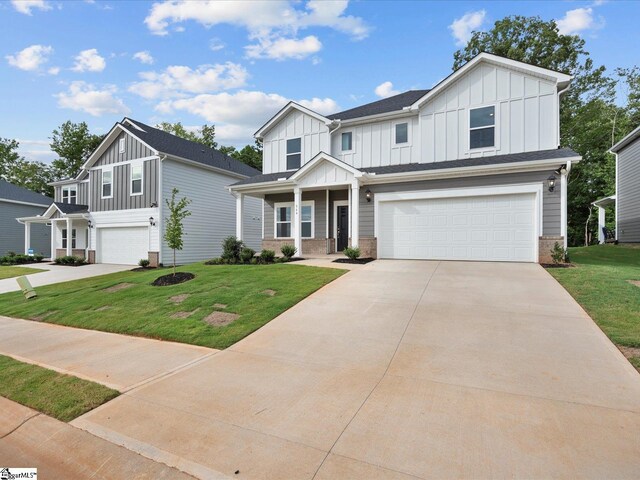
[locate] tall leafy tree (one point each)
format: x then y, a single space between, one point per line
74 143
17 170
174 230
587 111
205 135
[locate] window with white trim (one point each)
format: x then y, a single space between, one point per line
122 145
65 238
70 194
136 179
401 133
107 183
347 141
283 218
294 153
482 127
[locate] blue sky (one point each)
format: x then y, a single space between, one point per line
234 64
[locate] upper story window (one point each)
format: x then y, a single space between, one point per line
70 194
294 153
401 133
482 127
347 141
122 145
107 183
136 179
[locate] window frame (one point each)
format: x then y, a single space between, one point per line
122 145
287 153
131 179
102 183
306 203
69 189
393 132
65 238
350 150
495 145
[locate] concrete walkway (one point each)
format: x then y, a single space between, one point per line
400 370
59 274
120 362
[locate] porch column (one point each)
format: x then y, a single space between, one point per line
326 224
54 239
601 224
355 213
239 215
27 237
297 234
69 237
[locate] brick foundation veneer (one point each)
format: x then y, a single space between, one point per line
92 256
154 259
545 245
76 252
310 246
368 247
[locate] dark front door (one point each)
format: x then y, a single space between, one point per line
343 228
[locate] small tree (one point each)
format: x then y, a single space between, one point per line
174 229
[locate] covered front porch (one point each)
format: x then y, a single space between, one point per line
604 234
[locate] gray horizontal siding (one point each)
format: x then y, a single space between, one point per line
320 209
628 203
133 149
12 238
122 200
551 200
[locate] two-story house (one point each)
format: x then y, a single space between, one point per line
469 170
114 210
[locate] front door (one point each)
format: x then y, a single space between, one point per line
343 228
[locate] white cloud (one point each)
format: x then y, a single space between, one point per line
385 90
216 44
578 20
89 61
237 115
31 58
463 27
273 25
144 57
25 6
96 101
177 80
53 71
284 48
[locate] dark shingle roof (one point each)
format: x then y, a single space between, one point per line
390 104
68 208
559 154
170 144
9 191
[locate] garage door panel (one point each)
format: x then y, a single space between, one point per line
497 227
123 245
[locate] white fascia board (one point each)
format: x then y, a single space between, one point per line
625 141
406 112
31 204
285 111
221 171
322 156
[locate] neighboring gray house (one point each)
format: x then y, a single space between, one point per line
627 196
19 202
469 170
114 210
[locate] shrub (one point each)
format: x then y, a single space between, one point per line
14 259
254 261
288 250
231 248
267 256
38 257
70 260
216 261
352 252
246 254
558 254
144 263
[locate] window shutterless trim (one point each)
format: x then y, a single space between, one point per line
131 179
350 142
306 203
495 145
288 153
102 183
393 132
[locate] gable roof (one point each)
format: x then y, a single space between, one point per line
14 193
284 111
386 105
70 208
626 141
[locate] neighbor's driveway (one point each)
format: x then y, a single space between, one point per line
59 274
400 369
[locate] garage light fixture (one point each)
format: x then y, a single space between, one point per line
551 183
368 194
89 224
152 221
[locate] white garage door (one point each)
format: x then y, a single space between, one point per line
488 228
123 245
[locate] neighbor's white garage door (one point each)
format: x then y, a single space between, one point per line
488 228
123 245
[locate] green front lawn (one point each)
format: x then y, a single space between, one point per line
61 396
601 284
256 293
10 272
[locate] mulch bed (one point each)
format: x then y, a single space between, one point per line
142 269
171 279
357 261
558 265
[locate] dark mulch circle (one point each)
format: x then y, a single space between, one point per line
357 261
142 269
171 279
557 265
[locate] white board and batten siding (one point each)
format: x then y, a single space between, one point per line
314 135
213 212
526 109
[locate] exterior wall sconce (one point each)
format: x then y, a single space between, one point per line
368 194
154 205
551 183
152 221
89 224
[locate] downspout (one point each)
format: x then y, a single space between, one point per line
160 205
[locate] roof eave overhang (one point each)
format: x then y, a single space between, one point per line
202 165
285 111
635 134
405 112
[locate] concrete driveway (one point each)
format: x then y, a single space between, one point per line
58 274
399 370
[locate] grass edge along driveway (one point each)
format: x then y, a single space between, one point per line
126 303
61 396
601 284
11 271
